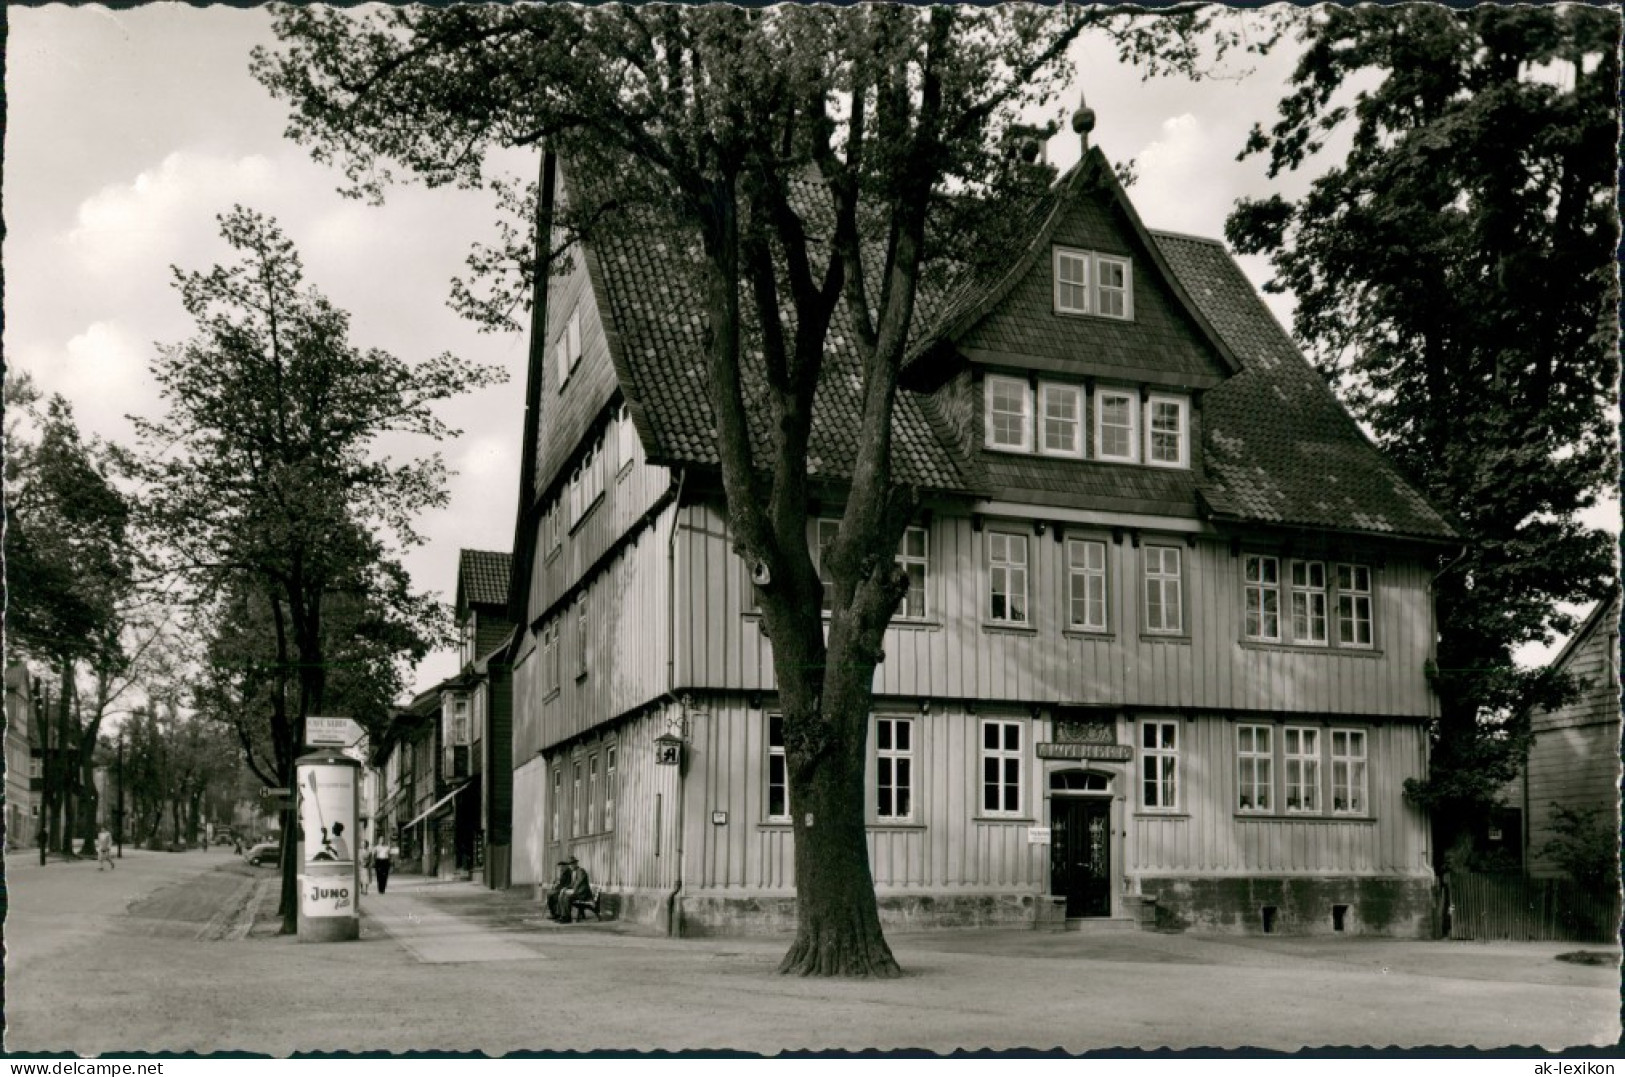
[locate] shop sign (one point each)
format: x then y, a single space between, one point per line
339 732
1038 835
1109 753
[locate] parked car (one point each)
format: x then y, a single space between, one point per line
266 852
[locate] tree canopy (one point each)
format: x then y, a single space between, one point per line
1455 279
266 488
904 120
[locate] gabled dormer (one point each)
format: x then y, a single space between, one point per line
482 603
1075 370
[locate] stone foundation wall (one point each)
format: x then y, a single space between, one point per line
719 914
1393 907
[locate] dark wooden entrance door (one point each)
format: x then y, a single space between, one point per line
1081 854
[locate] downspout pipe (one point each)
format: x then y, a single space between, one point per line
673 926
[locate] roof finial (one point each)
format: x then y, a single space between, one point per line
1083 121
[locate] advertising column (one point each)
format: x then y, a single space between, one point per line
329 908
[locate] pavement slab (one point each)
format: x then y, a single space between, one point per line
453 967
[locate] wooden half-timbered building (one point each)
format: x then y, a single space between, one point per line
1163 656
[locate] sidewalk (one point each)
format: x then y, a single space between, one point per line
442 921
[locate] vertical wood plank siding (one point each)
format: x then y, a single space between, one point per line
955 654
628 854
951 845
627 618
1574 760
943 848
1207 834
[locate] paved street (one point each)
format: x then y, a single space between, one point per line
159 955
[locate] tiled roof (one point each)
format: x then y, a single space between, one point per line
651 276
482 577
1278 446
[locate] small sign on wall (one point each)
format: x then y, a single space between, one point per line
668 750
1038 835
719 818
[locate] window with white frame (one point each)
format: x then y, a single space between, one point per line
583 627
1086 585
459 720
1354 605
1060 412
778 776
894 769
1309 602
586 484
568 349
1116 428
1071 281
592 793
609 787
575 798
825 532
1113 295
1164 606
626 438
1348 772
1300 753
1261 591
550 654
1255 757
1001 767
1159 765
558 791
1009 414
1007 577
1087 282
913 558
1167 420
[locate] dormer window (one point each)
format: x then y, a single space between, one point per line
1009 414
1115 425
1166 424
1116 429
1087 282
1060 410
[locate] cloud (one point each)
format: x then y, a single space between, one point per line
130 228
102 370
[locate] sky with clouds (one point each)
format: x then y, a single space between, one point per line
130 130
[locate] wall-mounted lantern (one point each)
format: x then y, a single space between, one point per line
668 750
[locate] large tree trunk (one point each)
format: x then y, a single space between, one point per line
826 733
838 922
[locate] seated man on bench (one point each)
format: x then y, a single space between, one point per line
577 890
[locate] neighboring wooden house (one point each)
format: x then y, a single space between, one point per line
484 690
1166 645
1574 759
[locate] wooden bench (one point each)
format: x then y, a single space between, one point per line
593 903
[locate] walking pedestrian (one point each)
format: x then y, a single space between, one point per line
366 865
380 864
104 850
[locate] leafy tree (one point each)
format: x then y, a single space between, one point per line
1455 280
704 121
1585 844
264 477
70 581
